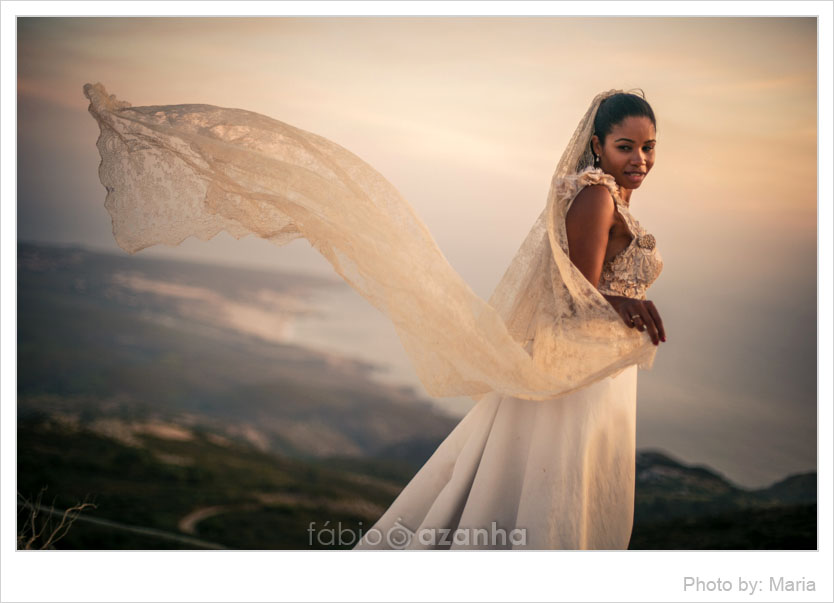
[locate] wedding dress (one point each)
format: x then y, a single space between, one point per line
553 474
547 452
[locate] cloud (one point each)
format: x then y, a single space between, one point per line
269 317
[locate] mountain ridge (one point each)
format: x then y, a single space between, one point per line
133 370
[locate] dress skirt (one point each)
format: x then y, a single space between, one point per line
525 474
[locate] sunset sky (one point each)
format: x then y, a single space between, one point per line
467 117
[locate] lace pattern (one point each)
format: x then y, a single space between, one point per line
177 171
635 268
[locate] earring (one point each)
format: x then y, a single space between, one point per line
596 159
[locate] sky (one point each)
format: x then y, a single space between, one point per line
467 117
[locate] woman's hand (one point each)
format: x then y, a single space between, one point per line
640 314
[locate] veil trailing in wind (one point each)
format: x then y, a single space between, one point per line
176 171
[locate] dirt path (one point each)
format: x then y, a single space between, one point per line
188 523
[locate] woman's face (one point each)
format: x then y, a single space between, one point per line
628 153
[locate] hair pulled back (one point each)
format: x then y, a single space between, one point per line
614 109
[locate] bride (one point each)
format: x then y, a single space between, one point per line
555 474
546 457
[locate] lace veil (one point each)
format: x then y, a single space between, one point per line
176 171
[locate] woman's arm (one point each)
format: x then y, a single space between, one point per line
588 223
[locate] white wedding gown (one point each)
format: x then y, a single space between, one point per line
546 456
522 474
557 474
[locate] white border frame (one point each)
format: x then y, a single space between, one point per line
480 575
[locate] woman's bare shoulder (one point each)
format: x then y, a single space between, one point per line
593 203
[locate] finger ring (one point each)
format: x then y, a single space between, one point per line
633 316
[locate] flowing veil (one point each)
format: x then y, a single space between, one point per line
176 171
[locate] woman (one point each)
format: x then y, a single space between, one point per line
546 457
624 148
557 474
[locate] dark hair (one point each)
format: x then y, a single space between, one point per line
614 109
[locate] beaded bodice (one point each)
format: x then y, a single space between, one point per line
632 270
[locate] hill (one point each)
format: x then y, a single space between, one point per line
171 395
